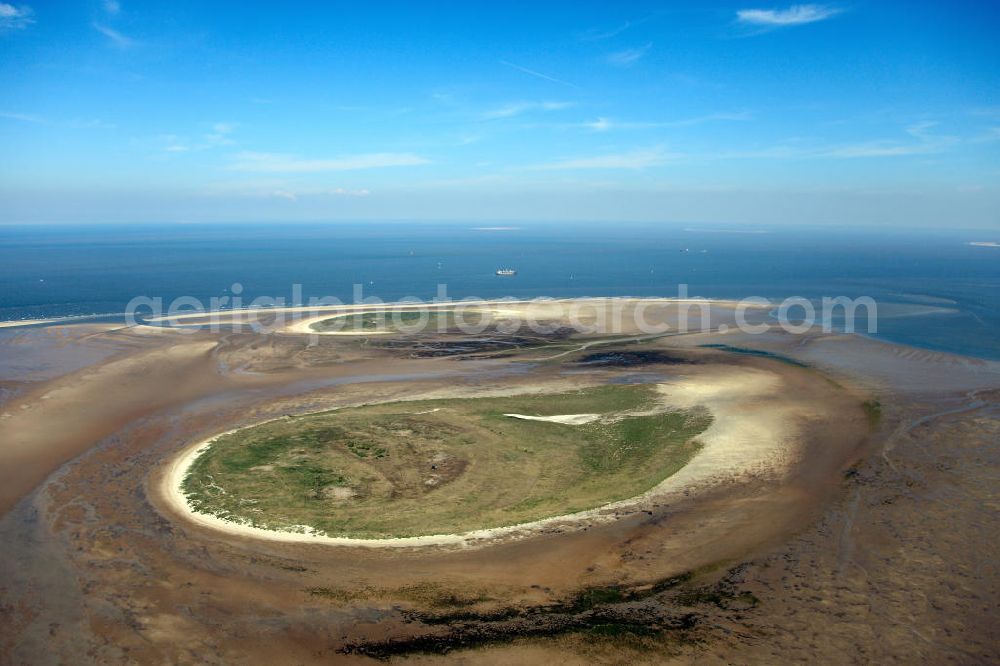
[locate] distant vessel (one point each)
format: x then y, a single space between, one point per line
506 272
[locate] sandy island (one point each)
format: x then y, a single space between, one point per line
740 440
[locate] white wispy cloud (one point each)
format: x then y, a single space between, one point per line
599 125
89 123
280 163
219 135
604 124
794 15
600 34
991 134
926 142
517 108
171 143
22 117
734 116
15 17
295 195
75 123
270 188
877 149
344 192
986 112
116 38
112 7
922 142
537 74
628 56
636 159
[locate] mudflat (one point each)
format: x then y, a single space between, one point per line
802 483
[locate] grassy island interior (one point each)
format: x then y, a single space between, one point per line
443 466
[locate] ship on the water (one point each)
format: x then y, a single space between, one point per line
506 272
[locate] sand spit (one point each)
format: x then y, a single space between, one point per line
753 430
63 320
741 441
305 315
28 322
306 327
566 419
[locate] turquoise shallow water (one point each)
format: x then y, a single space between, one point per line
933 289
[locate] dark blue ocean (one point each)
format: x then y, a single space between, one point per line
934 290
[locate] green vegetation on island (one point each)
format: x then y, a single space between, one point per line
443 466
392 320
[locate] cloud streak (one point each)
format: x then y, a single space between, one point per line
116 38
597 35
537 74
76 123
925 143
518 108
23 117
15 18
279 189
604 124
293 195
635 160
601 34
628 56
280 163
220 135
794 15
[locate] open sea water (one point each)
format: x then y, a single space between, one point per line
933 289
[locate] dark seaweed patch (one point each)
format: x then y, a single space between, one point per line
669 609
746 351
493 344
631 359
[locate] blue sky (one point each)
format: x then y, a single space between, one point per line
871 113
